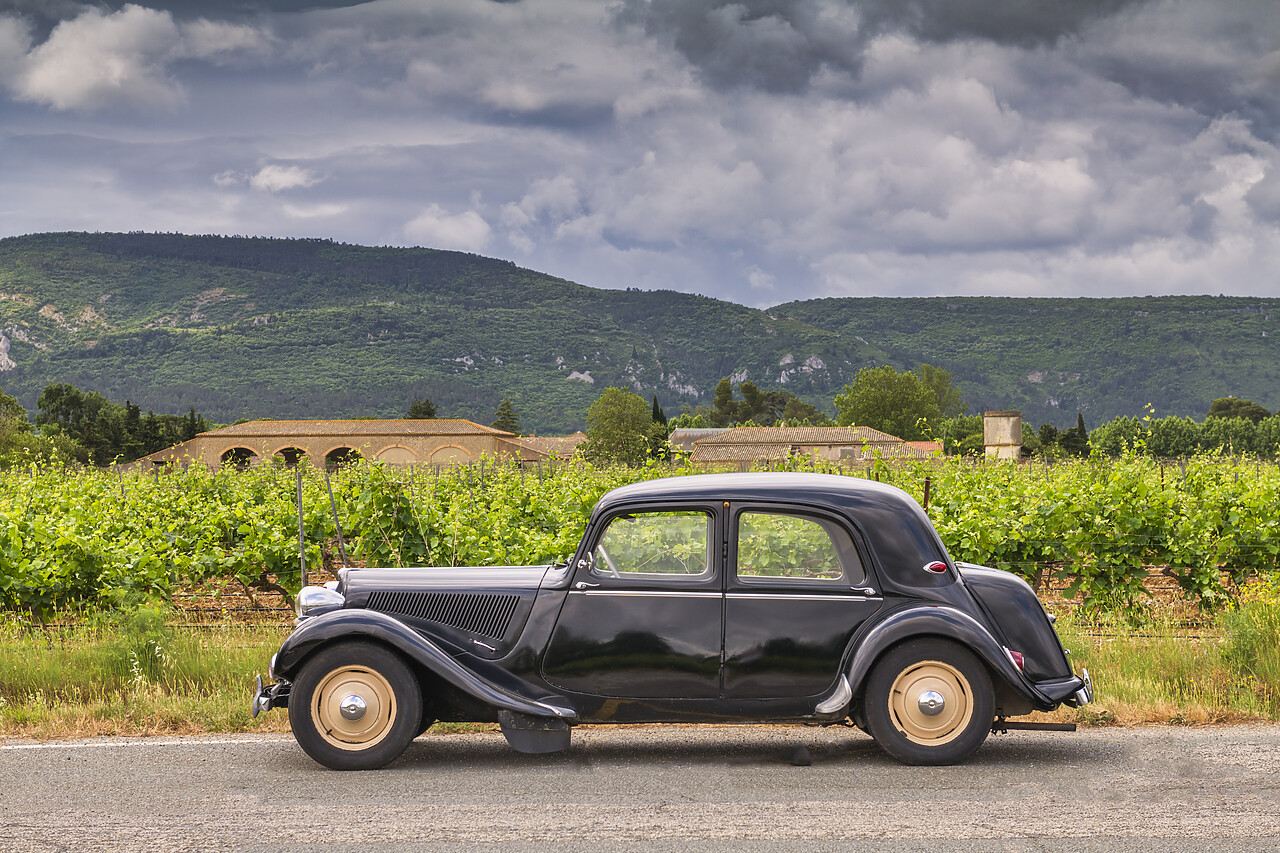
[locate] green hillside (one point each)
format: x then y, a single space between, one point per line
248 327
241 327
1050 358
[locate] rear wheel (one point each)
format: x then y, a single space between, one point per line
355 706
929 701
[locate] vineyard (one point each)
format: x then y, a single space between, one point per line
1096 532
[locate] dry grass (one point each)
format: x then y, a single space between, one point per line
140 675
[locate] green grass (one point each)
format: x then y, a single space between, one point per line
1155 672
137 675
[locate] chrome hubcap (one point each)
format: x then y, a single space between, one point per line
931 703
353 707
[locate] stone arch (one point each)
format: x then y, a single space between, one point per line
238 457
397 454
291 455
341 455
450 454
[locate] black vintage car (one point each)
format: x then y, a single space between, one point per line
713 598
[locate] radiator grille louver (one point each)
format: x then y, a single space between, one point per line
486 614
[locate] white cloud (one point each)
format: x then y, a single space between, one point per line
438 229
96 59
15 41
274 178
814 146
203 39
315 211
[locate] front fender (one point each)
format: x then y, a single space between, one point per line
948 623
481 679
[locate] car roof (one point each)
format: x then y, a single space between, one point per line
762 485
897 528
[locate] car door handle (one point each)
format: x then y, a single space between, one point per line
585 585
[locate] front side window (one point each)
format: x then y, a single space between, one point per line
779 547
655 543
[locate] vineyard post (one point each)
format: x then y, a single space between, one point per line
333 506
302 538
927 481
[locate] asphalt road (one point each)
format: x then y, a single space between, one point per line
654 788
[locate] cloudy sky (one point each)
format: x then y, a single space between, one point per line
753 150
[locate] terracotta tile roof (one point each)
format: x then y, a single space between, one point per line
739 452
560 446
437 426
800 435
926 446
685 437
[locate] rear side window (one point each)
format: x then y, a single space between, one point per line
781 547
655 543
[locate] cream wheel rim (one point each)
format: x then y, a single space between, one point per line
368 698
914 706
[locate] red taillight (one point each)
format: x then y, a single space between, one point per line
937 567
1018 660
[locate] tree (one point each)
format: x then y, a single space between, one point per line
1170 437
960 436
193 425
505 418
723 410
797 411
421 410
1075 441
659 416
618 428
939 381
760 408
1234 407
892 402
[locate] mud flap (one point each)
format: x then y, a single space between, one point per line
527 733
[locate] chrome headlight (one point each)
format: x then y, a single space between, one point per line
314 600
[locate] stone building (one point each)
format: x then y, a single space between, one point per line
1002 434
444 441
835 444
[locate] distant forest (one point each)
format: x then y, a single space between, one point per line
235 327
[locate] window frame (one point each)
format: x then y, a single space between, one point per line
712 543
847 580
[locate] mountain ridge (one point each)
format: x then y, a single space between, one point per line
273 327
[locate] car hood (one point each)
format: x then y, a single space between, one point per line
357 584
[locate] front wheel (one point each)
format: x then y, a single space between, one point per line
355 706
929 701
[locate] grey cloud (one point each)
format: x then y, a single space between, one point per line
781 45
773 45
1023 23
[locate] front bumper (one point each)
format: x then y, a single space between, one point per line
268 696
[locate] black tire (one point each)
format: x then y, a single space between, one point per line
388 722
897 707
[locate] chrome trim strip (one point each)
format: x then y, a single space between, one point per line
646 593
784 596
768 596
837 700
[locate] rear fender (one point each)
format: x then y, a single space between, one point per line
478 678
947 623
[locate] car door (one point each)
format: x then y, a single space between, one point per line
796 590
643 616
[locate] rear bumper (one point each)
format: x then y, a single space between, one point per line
1074 690
1084 695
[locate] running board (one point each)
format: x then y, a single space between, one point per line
1003 726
